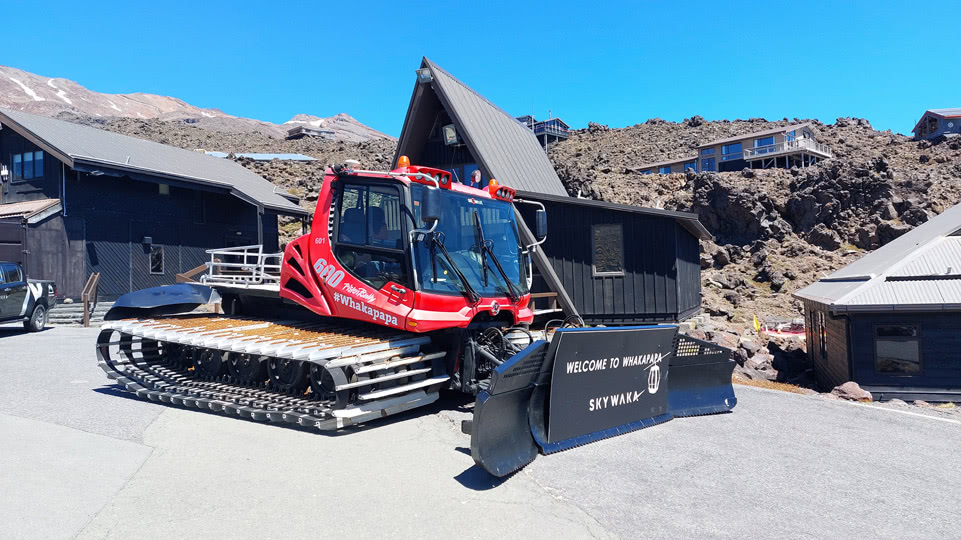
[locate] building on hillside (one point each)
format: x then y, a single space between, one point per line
891 321
785 147
788 146
138 212
607 262
300 132
937 122
253 156
547 131
672 166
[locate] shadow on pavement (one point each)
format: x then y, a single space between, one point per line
478 479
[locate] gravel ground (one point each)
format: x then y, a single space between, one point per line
79 460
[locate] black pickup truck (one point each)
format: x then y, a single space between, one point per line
23 299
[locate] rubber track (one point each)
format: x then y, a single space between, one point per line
142 374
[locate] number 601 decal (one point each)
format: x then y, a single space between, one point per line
328 273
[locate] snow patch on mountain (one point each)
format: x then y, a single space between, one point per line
27 90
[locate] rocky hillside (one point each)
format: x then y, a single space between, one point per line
775 230
47 96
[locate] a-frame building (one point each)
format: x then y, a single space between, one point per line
607 262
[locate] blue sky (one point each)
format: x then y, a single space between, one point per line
609 62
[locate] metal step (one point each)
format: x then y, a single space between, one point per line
378 394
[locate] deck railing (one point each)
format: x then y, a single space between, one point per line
788 147
242 266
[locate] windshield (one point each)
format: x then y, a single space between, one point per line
457 228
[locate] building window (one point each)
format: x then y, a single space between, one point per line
731 151
608 243
707 164
164 189
764 145
707 151
28 165
822 337
897 349
664 170
156 259
789 136
932 125
692 166
646 171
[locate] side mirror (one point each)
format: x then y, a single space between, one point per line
430 205
540 224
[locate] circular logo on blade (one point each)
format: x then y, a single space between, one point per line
495 308
654 379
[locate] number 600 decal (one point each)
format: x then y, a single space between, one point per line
327 272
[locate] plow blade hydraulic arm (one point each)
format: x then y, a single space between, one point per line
589 384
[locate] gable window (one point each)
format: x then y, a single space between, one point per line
664 170
897 349
27 165
608 244
156 259
731 151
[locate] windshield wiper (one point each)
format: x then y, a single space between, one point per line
436 242
479 238
486 248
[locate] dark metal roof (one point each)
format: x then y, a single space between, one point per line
504 148
688 220
773 131
76 145
919 269
943 113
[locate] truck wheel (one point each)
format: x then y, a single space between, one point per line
38 319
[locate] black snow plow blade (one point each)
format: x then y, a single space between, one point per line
589 384
164 300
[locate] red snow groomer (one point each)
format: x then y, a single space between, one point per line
408 283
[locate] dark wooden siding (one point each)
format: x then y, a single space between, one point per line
44 187
831 366
661 280
940 350
120 212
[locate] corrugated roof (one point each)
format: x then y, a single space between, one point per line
688 220
26 208
883 279
505 148
773 131
943 258
909 294
952 112
76 144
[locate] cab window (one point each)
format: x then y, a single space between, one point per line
11 273
370 242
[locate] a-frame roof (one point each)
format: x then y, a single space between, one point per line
504 148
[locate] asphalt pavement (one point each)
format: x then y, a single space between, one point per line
79 459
